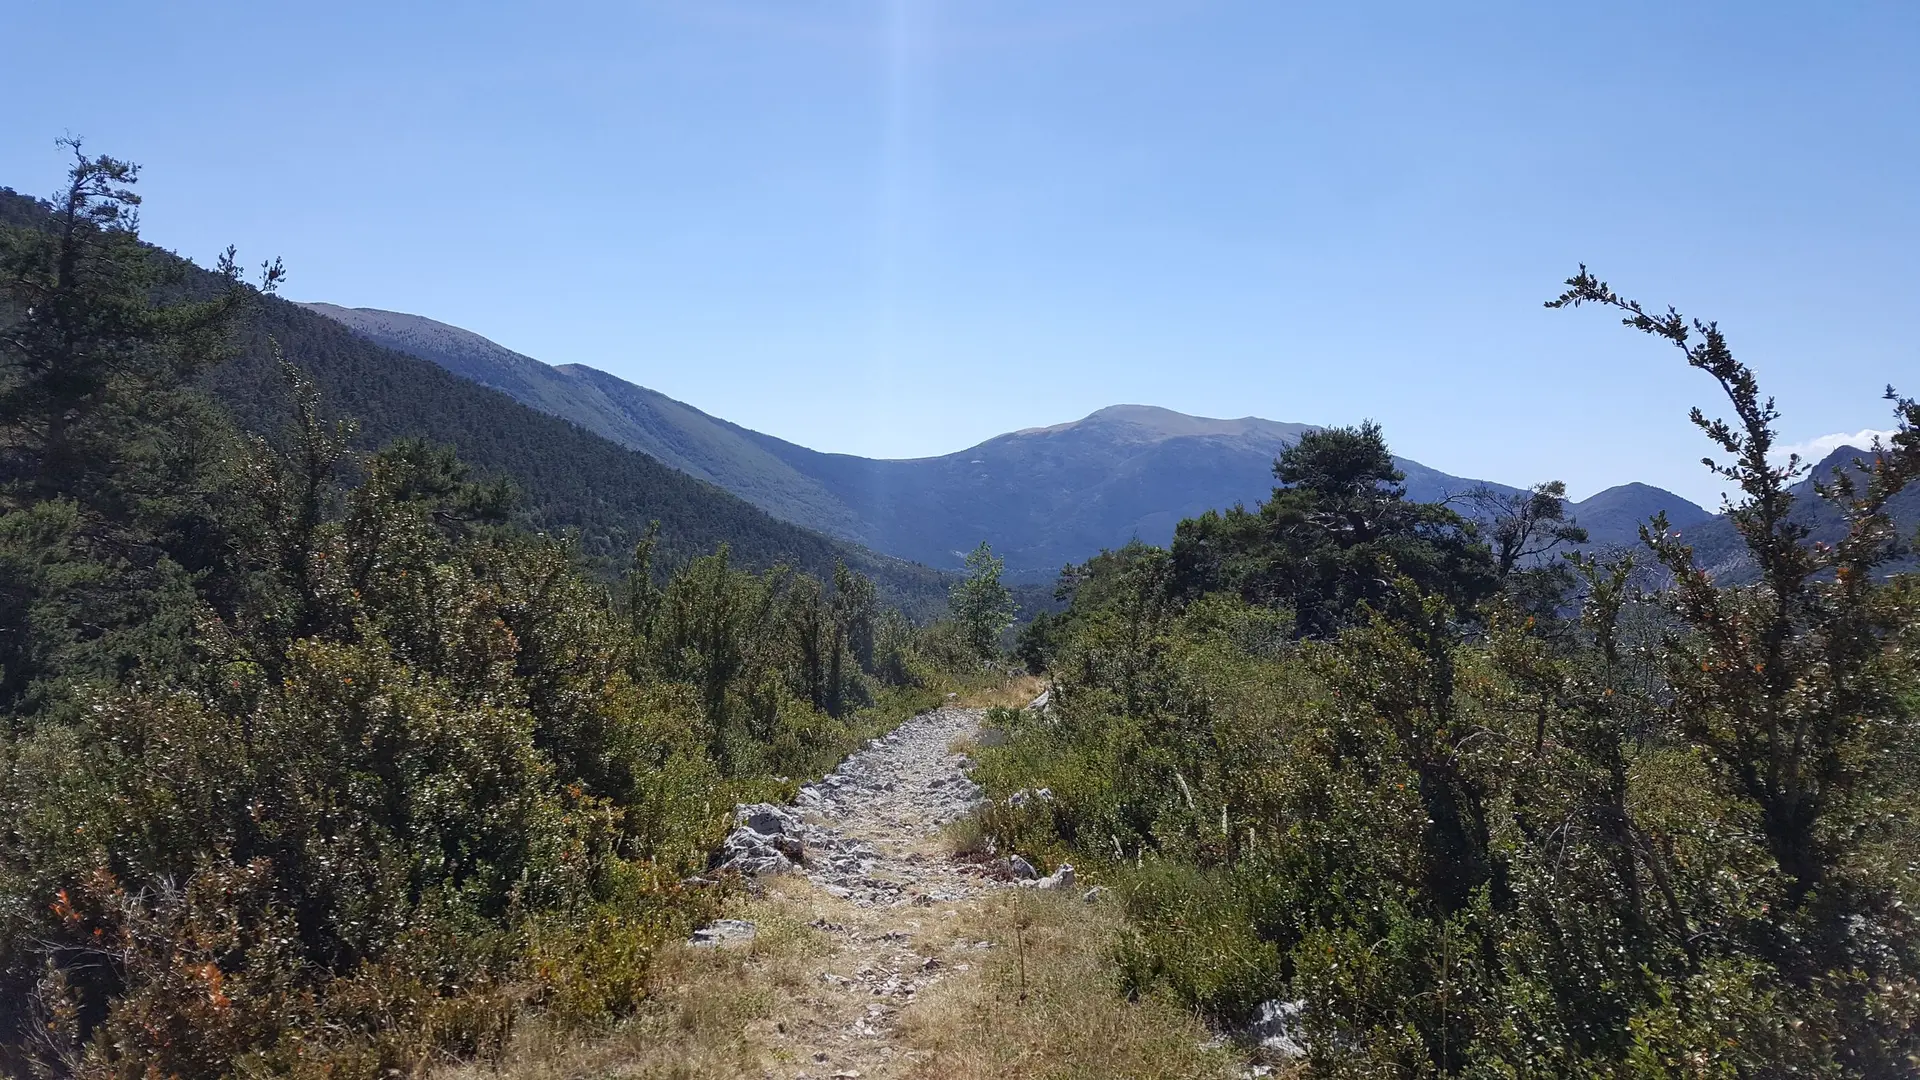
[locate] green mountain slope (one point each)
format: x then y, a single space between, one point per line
569 477
1042 497
635 417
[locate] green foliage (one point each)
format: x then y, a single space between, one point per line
104 458
1333 538
1565 828
313 762
981 605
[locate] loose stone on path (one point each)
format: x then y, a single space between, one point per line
868 836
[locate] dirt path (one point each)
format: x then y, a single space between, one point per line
889 898
878 955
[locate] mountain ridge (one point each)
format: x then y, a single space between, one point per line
571 480
1043 496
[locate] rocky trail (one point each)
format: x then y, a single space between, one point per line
863 847
865 948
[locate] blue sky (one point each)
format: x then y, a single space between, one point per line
898 227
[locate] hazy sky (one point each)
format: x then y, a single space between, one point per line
897 228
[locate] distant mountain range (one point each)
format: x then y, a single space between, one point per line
1718 548
1043 496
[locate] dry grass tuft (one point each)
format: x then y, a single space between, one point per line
709 1013
966 838
1017 692
1046 1006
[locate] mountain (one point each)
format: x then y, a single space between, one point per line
1053 495
1613 517
1043 496
569 478
635 417
1718 547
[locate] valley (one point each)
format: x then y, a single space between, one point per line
1044 497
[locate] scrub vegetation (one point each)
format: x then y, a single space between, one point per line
1473 807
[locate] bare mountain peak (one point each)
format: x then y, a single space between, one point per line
1152 423
1845 457
416 334
1614 516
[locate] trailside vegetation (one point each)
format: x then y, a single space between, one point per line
312 761
1449 802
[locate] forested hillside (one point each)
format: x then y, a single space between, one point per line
569 478
633 416
565 478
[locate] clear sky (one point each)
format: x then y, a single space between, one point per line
898 227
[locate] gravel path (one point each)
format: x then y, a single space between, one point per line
873 825
886 891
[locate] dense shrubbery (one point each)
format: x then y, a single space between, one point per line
311 764
1478 832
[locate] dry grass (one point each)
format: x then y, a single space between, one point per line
712 1014
966 839
1044 1005
1039 1003
1015 693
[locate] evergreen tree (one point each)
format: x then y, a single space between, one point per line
981 604
1335 535
110 463
1525 527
